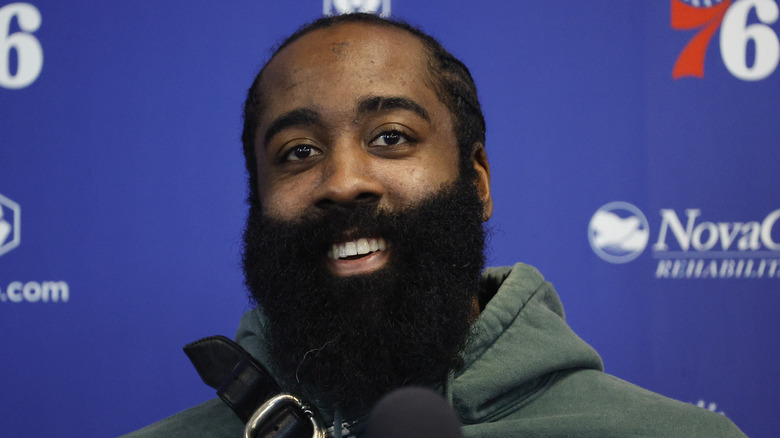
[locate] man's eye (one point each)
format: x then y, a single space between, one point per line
301 152
389 138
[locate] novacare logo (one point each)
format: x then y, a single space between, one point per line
727 236
689 247
618 232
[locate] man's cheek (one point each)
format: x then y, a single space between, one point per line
278 210
280 202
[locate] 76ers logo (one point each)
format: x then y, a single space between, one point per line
748 45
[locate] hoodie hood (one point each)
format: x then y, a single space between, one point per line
521 340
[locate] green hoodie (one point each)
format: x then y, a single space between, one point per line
525 374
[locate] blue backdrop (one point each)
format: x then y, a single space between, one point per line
633 148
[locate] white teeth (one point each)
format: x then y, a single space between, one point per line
360 246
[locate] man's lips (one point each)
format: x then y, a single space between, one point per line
359 256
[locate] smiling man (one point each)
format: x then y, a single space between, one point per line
352 241
368 188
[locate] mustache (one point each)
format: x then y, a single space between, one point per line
317 232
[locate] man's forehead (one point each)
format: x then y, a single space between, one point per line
347 42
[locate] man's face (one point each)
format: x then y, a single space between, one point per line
365 248
349 117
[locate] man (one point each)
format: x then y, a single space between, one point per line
369 184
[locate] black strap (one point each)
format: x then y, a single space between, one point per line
240 380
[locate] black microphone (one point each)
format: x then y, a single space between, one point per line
413 412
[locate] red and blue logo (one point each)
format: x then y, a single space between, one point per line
749 45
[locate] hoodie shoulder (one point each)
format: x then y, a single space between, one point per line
590 403
527 373
212 419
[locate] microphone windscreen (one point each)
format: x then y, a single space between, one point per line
413 412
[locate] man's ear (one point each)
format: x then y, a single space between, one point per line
480 161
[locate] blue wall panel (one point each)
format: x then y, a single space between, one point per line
123 190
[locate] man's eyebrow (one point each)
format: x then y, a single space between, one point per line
375 104
296 117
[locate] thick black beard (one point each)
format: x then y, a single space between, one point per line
349 340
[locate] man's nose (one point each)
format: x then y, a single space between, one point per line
348 179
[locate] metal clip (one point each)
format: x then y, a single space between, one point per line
274 406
